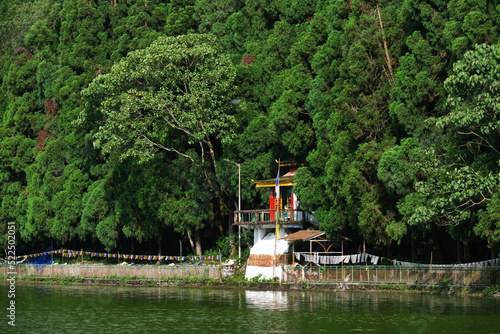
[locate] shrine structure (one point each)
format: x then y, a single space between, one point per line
283 217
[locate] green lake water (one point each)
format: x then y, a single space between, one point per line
102 309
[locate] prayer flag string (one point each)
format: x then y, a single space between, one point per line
73 253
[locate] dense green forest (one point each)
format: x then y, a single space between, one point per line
117 119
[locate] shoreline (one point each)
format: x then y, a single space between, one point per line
441 289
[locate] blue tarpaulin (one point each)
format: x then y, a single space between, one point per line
44 259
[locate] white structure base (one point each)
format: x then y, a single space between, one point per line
264 272
266 246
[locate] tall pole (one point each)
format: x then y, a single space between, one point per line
239 208
276 228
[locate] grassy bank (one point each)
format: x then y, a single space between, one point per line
444 288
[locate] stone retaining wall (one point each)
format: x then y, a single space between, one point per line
146 272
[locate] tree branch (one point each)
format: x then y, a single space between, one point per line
482 138
160 146
388 58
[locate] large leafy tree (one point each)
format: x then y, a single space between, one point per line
172 96
344 85
348 104
468 177
460 176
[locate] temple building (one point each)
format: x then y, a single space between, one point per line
283 217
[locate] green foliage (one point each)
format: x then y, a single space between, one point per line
176 87
443 285
172 97
455 191
473 88
106 231
491 290
398 166
180 18
416 89
256 279
398 125
488 225
187 205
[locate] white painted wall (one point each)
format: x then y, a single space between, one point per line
258 234
266 272
265 244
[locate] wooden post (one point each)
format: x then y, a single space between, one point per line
275 241
431 269
342 262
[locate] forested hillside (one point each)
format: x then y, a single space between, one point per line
393 106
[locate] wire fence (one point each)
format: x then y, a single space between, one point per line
480 276
392 275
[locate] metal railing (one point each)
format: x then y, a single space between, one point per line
466 276
376 274
270 216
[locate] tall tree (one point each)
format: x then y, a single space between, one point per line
459 177
172 96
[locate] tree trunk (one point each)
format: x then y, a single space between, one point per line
414 253
437 244
467 252
387 56
460 251
198 243
388 251
230 233
94 244
494 250
191 241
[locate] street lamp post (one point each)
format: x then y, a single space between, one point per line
239 207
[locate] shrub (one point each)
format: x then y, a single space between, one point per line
491 290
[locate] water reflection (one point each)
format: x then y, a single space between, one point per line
97 309
269 300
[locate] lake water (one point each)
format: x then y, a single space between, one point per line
101 309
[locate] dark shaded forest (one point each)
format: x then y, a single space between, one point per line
118 118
